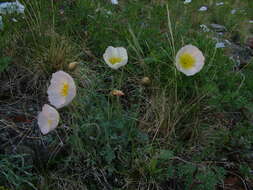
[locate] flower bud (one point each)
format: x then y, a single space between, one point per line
73 65
145 81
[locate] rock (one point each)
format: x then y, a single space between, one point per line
203 8
249 42
11 7
14 20
219 3
114 2
233 11
145 81
204 28
219 45
187 1
1 23
218 27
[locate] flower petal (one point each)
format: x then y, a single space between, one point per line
48 119
62 89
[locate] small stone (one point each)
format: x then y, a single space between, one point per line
203 8
228 42
117 93
219 3
1 23
233 11
219 45
14 20
249 42
109 12
11 7
145 81
204 28
114 2
218 27
61 11
187 1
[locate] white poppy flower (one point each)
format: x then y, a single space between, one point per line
189 60
62 89
48 119
115 57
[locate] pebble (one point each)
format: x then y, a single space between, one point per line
219 3
114 2
219 45
249 42
14 20
11 7
204 28
203 8
233 11
218 27
187 1
1 23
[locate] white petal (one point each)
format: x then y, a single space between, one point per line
54 90
57 101
71 93
122 52
43 123
48 113
111 52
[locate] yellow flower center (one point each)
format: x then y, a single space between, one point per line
114 60
49 121
187 61
65 89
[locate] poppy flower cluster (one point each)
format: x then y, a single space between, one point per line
62 90
189 59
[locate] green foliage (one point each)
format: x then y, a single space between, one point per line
4 63
140 140
200 177
14 173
